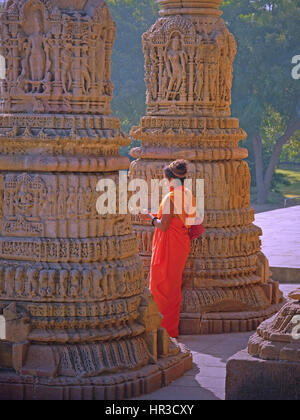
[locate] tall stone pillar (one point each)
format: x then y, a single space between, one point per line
76 320
189 54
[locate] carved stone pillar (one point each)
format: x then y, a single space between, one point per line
78 323
189 54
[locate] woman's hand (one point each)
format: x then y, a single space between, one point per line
145 216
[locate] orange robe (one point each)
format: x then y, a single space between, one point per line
169 254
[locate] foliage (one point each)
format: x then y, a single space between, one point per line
289 183
133 18
265 96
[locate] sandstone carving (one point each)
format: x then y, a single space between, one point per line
79 322
49 53
295 294
278 338
189 56
269 369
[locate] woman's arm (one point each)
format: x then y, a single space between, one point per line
163 223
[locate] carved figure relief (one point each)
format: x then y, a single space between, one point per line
61 52
175 59
185 66
24 197
66 68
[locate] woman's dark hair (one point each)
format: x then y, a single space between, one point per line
180 169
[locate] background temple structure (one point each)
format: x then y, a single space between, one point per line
79 323
189 54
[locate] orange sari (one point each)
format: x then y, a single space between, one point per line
169 254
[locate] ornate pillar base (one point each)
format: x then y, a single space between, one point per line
115 386
225 322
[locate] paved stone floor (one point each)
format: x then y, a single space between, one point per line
206 381
281 236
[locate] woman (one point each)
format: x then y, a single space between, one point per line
171 245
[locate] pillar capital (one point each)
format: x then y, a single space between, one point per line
190 7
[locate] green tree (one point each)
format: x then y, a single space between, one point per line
265 96
133 18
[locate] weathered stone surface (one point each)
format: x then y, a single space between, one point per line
58 59
189 54
78 321
270 369
278 338
250 378
295 294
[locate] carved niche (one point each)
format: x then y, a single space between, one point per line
23 198
188 67
56 59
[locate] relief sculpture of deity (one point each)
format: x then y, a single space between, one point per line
66 68
85 71
61 53
200 71
100 60
188 69
36 53
35 58
176 59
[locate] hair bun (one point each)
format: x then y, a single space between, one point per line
179 168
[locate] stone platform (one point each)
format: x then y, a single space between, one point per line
250 378
225 322
269 369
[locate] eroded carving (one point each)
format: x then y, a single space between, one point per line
188 66
54 53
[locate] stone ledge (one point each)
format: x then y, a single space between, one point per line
118 386
225 322
249 378
286 274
